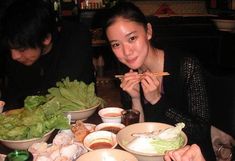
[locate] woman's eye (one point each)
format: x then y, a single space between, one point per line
114 45
133 38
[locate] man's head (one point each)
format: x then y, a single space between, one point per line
27 29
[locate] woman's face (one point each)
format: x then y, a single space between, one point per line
26 56
129 41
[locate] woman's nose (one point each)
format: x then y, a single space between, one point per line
127 50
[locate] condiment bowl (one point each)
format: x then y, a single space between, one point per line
100 140
112 127
111 114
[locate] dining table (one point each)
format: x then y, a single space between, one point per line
94 119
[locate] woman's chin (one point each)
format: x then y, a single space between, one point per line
133 67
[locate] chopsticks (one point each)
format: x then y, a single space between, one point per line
157 74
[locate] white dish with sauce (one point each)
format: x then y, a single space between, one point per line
111 114
100 140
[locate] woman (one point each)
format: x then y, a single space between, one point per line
179 97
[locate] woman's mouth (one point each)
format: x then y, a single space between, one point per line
132 60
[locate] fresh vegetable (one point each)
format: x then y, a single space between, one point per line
159 143
44 113
74 95
27 124
31 102
168 139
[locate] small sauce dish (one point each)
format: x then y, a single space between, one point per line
111 114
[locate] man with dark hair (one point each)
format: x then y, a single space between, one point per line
38 53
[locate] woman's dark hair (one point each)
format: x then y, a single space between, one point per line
26 23
126 10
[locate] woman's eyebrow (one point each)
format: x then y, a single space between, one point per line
113 41
133 32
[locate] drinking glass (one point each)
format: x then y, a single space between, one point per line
130 116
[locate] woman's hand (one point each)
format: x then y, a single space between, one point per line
151 87
130 84
187 153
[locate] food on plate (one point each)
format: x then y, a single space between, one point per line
73 95
67 96
24 124
79 130
90 127
156 142
63 138
63 147
34 101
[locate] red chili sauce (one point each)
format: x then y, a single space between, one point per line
100 145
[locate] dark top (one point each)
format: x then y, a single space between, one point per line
71 56
184 100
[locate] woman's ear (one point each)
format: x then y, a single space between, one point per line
47 40
149 31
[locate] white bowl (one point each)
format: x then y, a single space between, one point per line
100 140
111 114
107 154
125 136
112 127
25 144
82 114
225 25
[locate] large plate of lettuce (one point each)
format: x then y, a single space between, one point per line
25 124
74 98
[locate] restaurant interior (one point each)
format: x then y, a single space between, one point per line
191 25
206 28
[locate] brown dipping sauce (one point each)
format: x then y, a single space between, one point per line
112 114
112 129
100 145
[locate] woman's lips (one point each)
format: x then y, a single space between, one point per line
132 60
